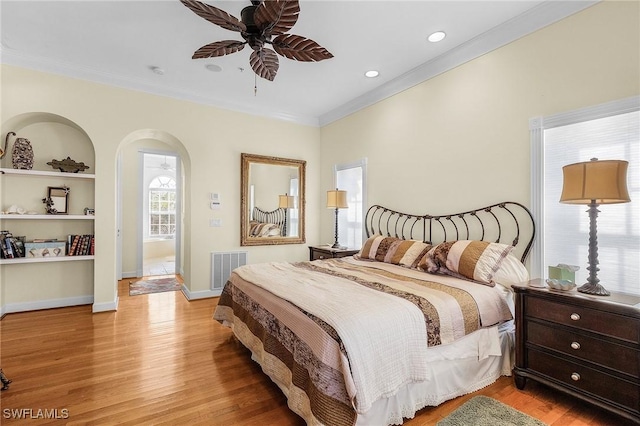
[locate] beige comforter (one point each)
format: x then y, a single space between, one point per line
343 333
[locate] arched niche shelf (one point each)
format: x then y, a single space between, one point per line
52 137
39 282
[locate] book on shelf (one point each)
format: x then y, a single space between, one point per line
80 245
7 250
75 239
44 240
11 247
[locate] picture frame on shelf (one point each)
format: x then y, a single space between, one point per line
58 200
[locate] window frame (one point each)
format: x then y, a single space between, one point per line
164 190
537 127
362 164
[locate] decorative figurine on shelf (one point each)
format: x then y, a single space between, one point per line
68 165
22 153
4 380
48 205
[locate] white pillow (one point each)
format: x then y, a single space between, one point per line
511 271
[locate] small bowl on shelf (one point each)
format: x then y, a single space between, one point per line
562 285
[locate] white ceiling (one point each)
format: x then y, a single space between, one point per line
116 42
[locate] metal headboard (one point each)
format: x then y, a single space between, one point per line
507 222
276 217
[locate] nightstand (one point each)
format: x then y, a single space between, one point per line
587 346
326 252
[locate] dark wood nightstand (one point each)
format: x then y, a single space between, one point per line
587 346
326 252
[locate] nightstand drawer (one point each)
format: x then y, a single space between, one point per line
626 359
586 379
602 322
318 255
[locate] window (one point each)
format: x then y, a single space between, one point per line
162 207
352 178
294 213
607 132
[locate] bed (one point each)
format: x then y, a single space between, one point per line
268 223
423 314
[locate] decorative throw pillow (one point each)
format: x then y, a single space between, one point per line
394 250
475 260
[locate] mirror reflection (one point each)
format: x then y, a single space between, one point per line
272 201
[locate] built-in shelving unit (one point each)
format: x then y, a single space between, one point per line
50 281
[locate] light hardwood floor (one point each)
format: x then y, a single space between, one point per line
163 360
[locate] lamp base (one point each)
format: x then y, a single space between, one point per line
595 289
336 245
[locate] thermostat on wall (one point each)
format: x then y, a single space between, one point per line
215 202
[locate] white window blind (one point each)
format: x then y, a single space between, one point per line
576 137
352 178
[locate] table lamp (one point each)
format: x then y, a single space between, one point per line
594 183
337 200
285 202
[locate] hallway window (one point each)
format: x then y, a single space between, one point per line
162 207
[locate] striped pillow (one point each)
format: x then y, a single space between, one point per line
475 260
394 250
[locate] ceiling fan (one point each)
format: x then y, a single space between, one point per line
262 23
166 166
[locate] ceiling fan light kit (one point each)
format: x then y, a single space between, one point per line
262 23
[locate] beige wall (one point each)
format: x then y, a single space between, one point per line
461 140
209 141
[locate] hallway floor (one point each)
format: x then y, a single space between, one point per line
159 266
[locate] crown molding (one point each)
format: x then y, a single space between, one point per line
10 56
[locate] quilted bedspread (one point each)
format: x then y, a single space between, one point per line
337 335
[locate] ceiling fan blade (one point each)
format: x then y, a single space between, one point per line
276 16
300 48
264 63
215 15
219 48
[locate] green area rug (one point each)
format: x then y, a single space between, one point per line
158 285
485 411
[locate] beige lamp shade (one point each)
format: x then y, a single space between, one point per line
599 181
286 201
337 199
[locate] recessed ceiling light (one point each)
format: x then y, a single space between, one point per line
213 67
371 74
437 36
157 70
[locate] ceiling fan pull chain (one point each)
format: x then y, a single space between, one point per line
255 85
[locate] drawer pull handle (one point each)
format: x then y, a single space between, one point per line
575 345
575 317
575 377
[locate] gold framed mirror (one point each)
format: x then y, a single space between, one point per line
272 200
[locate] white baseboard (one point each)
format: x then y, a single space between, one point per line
105 307
194 295
46 304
